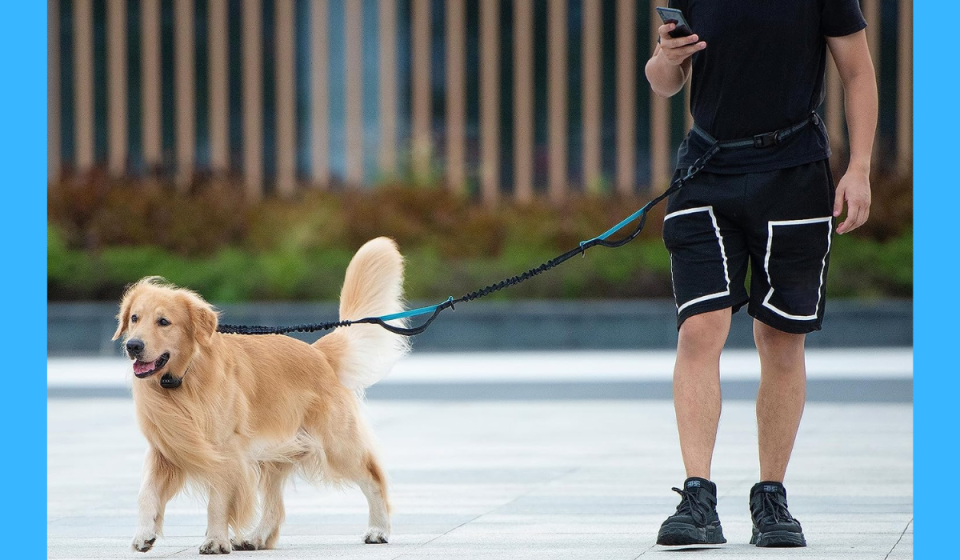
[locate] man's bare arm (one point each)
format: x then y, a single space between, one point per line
855 66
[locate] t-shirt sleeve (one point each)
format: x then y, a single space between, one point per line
840 17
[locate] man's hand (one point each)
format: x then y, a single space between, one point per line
854 189
668 68
676 50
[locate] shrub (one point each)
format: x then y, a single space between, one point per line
104 234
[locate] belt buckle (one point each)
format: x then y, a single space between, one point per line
766 140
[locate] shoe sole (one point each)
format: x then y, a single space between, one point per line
778 539
680 534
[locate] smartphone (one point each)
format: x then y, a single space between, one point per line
671 15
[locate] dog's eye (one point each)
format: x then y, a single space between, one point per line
163 322
133 318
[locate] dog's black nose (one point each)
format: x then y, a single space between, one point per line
134 347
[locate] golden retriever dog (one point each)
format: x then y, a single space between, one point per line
235 415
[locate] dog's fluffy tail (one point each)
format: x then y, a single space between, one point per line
373 286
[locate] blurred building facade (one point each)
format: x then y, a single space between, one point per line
501 98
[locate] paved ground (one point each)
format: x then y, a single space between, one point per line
516 479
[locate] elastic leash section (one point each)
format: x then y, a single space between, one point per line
435 310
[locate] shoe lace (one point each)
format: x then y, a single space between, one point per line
773 509
691 505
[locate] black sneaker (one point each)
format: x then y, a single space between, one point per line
773 526
696 520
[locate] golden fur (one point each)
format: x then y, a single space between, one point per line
251 410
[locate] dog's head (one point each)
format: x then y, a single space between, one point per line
163 326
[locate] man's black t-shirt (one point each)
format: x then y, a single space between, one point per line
762 71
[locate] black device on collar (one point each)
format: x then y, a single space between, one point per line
168 381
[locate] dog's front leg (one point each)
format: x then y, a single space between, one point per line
233 501
161 480
218 537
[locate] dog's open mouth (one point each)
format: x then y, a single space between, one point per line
146 369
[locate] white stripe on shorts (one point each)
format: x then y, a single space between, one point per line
723 253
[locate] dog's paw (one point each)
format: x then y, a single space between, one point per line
215 545
376 536
248 544
143 542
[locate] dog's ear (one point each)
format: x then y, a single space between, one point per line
203 319
123 318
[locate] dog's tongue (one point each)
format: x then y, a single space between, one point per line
143 367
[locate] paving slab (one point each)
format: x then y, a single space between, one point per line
514 479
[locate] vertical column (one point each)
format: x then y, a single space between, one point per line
388 86
905 86
523 100
252 99
422 137
150 80
53 92
659 121
626 95
592 74
185 93
833 111
456 93
117 87
219 94
286 98
354 76
490 100
557 98
320 95
83 82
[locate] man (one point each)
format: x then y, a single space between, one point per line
767 198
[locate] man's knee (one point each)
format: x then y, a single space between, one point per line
705 332
775 344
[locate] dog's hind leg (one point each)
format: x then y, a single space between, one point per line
273 476
351 457
161 481
372 481
349 453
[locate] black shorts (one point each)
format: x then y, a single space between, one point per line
779 221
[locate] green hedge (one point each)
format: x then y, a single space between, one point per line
102 236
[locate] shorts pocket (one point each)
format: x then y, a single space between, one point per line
698 260
795 265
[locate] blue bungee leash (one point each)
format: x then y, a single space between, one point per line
435 310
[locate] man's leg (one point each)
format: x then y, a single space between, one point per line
783 386
783 390
696 387
696 398
709 257
790 254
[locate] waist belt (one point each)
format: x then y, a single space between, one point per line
764 140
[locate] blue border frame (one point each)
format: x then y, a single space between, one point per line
23 150
935 248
